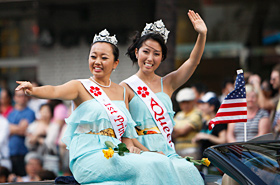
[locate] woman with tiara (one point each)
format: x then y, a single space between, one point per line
149 94
100 116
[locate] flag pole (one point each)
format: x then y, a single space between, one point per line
245 131
245 124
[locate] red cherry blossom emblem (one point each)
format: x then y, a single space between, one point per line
143 91
95 90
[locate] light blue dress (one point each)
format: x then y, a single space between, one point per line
186 171
87 161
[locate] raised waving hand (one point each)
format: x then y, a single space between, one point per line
197 22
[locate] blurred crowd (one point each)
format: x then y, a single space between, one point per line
30 141
31 129
198 106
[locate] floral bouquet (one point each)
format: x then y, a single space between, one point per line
203 161
120 149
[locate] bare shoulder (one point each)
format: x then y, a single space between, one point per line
128 89
74 82
118 86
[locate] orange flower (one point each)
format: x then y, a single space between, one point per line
108 153
205 161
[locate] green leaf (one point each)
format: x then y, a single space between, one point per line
109 144
188 158
122 148
121 153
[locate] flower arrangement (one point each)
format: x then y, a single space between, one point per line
203 161
120 149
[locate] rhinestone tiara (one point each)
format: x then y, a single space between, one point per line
104 36
157 27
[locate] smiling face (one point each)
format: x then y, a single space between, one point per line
149 56
101 59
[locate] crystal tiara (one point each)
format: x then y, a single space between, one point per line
104 36
157 27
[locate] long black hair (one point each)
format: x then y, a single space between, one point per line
138 41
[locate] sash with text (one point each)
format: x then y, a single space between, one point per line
116 116
155 106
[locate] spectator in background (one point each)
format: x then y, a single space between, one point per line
258 119
4 174
19 119
209 107
227 87
4 143
35 103
6 102
34 164
267 89
42 137
269 104
38 133
188 124
60 112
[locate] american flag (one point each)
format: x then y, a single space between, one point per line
234 107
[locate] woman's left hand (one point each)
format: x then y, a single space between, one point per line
133 149
197 22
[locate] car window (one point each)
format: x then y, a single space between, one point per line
263 159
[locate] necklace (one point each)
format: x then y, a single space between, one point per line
101 84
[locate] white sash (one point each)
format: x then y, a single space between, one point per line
155 106
116 116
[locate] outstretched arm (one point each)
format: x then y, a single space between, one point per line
181 75
263 102
67 91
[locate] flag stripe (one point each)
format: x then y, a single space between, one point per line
234 100
233 105
230 121
233 113
233 109
229 118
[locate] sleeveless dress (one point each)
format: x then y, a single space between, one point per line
186 171
87 161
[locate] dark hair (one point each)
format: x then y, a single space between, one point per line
215 101
9 93
48 105
46 175
226 81
138 41
4 172
114 48
200 87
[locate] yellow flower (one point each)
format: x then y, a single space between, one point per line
108 153
205 161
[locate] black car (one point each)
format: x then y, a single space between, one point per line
253 162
